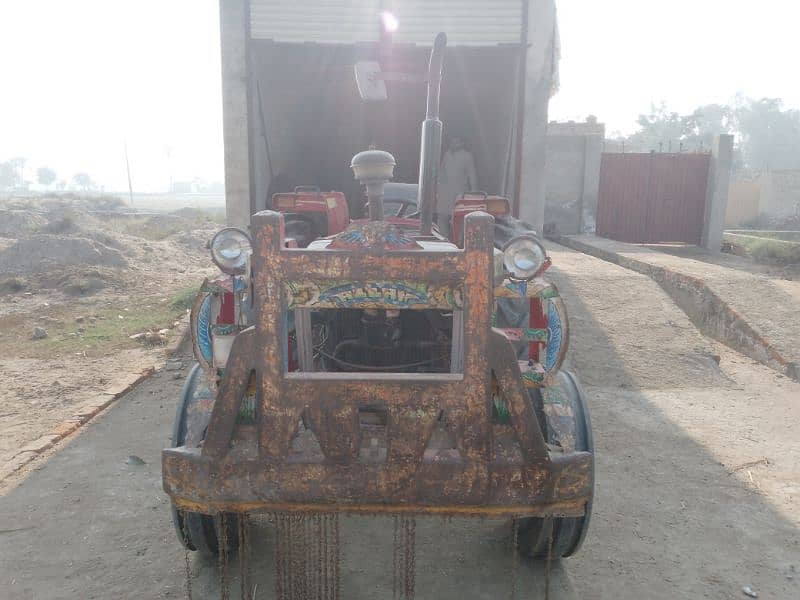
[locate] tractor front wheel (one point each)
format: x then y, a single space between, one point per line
568 427
196 531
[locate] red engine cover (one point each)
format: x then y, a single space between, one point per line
332 204
471 202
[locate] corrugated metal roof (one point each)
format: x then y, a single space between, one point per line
466 22
324 21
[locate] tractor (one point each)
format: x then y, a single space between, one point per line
372 366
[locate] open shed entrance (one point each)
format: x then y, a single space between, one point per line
309 121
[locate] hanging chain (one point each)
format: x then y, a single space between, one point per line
294 565
308 549
395 554
412 569
308 562
514 556
307 556
547 564
404 557
244 556
318 563
337 559
325 559
186 556
280 555
277 522
222 546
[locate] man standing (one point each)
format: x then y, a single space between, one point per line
456 176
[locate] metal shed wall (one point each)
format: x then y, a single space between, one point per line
467 22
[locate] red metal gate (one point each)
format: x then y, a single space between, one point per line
652 198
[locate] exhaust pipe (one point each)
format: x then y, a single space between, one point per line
431 149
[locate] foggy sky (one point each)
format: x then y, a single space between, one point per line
618 56
82 77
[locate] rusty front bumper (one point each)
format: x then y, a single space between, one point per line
561 488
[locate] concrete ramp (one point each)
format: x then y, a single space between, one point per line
626 332
753 313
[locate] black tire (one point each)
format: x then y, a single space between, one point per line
196 531
567 533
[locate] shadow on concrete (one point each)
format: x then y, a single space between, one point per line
669 521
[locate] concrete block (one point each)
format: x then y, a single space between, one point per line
124 384
16 463
64 428
41 444
120 387
90 409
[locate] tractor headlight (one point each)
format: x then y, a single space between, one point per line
524 257
230 250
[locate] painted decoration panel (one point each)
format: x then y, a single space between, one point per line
374 294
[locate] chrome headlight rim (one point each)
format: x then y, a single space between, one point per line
533 242
232 265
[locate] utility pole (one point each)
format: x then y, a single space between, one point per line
128 168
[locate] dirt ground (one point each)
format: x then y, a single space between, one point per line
697 482
89 276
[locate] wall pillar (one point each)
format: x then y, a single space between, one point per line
592 156
540 66
572 176
719 177
234 31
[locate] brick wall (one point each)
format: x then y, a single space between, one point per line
780 193
743 201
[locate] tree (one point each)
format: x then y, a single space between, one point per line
769 135
8 176
707 122
83 181
662 130
46 176
658 129
19 165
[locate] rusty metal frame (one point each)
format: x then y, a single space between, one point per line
483 481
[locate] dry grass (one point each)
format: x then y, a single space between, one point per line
12 284
767 250
102 331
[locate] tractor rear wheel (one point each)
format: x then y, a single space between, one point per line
196 531
567 424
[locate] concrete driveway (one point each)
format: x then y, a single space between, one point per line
697 482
